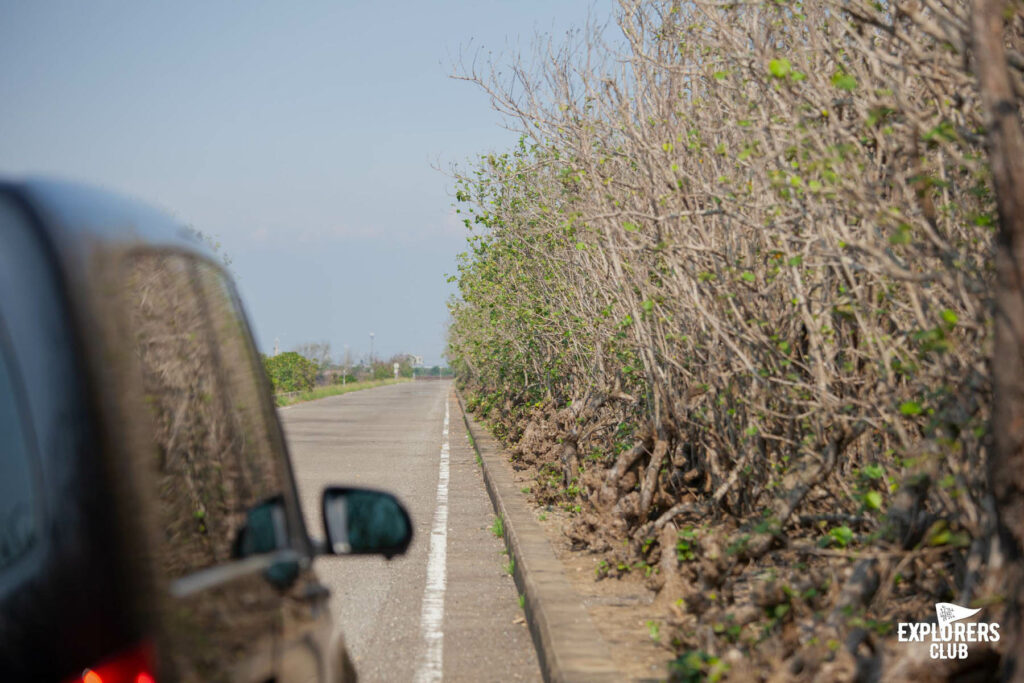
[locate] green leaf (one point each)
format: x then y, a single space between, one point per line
873 500
910 408
941 537
841 535
581 246
844 81
647 305
630 227
780 67
874 471
950 317
902 235
945 131
747 276
720 75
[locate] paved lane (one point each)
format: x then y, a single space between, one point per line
391 438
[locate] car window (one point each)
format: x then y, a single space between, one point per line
18 523
214 462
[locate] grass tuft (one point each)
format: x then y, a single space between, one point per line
498 527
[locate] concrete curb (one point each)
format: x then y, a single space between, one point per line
569 647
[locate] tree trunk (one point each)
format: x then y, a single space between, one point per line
1006 462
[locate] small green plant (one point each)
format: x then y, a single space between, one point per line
525 489
522 601
200 517
646 568
498 527
510 566
696 666
738 546
543 516
869 480
685 544
654 629
730 630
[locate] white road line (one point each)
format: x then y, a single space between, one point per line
432 617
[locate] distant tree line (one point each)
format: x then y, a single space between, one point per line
311 365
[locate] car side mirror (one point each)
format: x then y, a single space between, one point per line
266 531
365 522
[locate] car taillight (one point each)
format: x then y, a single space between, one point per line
131 666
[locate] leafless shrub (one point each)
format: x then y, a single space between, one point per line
759 236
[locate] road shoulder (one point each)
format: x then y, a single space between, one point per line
569 646
486 637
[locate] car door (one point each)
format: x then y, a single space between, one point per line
226 540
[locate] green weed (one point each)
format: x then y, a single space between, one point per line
498 527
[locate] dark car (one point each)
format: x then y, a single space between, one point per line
150 527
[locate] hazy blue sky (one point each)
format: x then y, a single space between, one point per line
301 134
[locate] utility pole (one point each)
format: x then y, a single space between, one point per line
277 344
346 360
371 351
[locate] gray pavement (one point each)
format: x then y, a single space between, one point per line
391 438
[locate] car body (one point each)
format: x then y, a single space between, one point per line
150 527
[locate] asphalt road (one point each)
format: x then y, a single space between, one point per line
392 438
